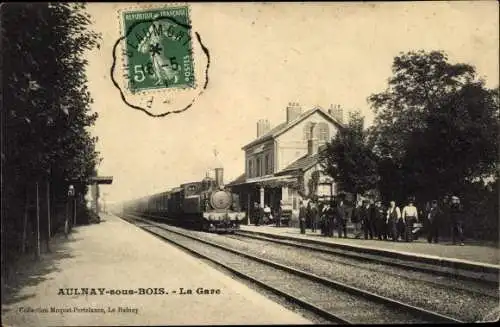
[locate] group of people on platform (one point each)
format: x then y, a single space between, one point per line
266 215
385 223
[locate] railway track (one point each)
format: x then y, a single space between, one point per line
334 301
489 281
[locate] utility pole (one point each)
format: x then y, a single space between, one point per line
25 222
71 194
74 210
37 222
48 215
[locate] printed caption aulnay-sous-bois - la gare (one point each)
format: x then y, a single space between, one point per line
138 291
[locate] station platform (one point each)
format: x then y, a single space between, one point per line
114 256
485 257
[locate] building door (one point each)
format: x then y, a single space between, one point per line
273 197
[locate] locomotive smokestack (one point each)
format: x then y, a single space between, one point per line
219 177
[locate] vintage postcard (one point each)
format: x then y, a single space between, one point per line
249 163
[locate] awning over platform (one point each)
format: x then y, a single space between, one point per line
271 181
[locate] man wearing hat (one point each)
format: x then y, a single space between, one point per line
256 213
330 218
314 216
302 217
456 218
366 219
410 216
393 221
378 220
356 219
433 219
340 217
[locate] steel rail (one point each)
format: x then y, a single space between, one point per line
419 312
409 257
293 299
330 249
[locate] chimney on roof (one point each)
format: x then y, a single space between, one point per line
263 127
337 112
293 111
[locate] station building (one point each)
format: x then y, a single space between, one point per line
282 163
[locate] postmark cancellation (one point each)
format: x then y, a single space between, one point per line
164 64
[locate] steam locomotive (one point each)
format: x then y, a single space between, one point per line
203 205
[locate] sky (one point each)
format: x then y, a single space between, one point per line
264 56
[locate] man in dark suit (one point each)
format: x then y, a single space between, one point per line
456 218
356 219
256 213
330 217
366 219
340 216
279 213
302 217
378 221
433 222
314 216
324 219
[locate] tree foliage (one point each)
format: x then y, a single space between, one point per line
46 103
435 133
349 159
436 126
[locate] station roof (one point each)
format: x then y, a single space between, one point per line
239 180
285 126
303 163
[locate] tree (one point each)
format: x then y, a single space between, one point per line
46 103
436 126
349 159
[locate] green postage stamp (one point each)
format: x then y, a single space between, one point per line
158 47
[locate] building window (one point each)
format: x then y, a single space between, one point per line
270 164
259 167
324 132
250 170
307 131
266 164
292 196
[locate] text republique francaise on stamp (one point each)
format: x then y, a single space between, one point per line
158 55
